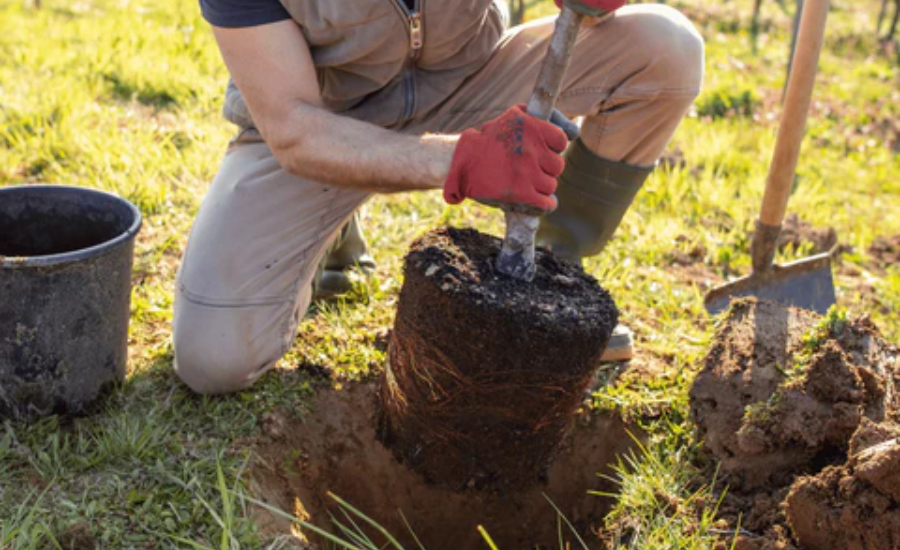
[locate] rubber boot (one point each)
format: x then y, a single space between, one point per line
594 193
348 251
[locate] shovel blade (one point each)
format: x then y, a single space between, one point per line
806 284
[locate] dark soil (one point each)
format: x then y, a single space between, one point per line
77 537
687 263
854 505
885 251
485 372
781 395
796 232
335 449
460 262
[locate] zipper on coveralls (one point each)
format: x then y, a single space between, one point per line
414 29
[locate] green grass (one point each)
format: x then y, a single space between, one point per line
126 96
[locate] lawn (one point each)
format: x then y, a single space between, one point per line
126 96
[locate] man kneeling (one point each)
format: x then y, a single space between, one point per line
335 100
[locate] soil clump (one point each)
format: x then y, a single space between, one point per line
795 232
687 263
785 393
854 505
77 536
885 251
484 371
298 462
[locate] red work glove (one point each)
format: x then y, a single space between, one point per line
595 7
514 159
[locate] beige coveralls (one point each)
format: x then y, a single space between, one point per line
245 279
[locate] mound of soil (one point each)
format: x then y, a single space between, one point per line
781 394
299 461
854 505
485 371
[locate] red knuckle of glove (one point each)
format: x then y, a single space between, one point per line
554 137
552 165
511 160
545 186
547 203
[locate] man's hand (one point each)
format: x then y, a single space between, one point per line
514 159
595 7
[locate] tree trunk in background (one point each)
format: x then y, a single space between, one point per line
893 29
754 25
798 12
517 12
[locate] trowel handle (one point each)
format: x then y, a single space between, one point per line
517 255
790 131
553 68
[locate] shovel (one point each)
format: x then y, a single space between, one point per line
806 283
516 258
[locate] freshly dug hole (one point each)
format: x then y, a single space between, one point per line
781 393
335 449
484 371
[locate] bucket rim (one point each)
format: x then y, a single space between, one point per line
81 254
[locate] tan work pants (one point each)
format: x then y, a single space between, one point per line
245 279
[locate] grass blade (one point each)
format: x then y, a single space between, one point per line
568 523
411 531
367 519
487 538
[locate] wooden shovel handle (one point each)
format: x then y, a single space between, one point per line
793 118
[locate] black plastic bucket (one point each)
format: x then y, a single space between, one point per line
65 295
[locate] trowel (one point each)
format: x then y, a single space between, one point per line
516 258
806 283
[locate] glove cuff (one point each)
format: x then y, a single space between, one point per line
456 184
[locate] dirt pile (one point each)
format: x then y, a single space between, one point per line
335 450
854 505
781 394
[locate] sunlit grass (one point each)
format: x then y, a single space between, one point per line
126 96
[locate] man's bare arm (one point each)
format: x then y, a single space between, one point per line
273 68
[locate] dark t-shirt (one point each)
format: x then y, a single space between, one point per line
248 13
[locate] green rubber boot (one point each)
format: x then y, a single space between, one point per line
594 193
348 251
